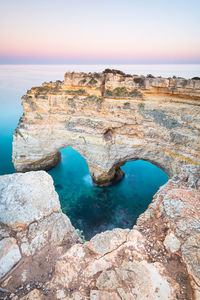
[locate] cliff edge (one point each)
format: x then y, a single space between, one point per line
110 118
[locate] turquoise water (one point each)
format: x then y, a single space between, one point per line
93 209
90 208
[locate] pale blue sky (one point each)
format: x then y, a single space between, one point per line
106 31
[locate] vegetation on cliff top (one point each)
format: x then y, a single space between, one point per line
123 92
150 76
92 82
43 90
196 78
139 80
113 71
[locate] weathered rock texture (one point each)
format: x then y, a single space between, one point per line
33 230
157 259
110 118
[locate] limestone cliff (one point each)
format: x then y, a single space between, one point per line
41 256
110 118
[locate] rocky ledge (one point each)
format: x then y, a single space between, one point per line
33 232
42 257
110 118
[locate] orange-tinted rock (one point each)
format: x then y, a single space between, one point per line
110 118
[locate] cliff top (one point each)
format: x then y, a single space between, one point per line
115 84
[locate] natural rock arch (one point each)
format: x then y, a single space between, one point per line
150 119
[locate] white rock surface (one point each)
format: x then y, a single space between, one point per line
26 198
103 295
172 243
150 284
9 255
108 241
52 230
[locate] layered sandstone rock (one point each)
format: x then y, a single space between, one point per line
110 118
157 259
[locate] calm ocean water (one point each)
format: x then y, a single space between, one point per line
90 208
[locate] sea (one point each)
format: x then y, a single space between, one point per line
91 209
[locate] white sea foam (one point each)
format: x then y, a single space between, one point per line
87 179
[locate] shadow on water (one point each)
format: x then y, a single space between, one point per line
93 209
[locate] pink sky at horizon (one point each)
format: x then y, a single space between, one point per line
105 31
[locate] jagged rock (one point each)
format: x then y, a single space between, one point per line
149 282
33 295
3 233
107 281
158 259
30 204
55 229
9 255
191 255
149 262
30 211
103 295
26 198
172 243
108 241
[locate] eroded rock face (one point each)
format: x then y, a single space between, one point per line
157 259
110 118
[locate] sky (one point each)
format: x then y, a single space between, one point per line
99 31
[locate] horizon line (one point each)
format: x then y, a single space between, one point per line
92 63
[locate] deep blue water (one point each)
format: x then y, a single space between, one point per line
90 208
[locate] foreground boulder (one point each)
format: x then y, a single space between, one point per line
157 259
33 230
26 199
